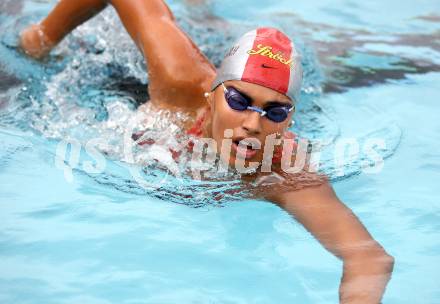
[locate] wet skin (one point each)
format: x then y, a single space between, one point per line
179 76
179 73
245 124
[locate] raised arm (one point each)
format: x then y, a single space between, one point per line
179 73
38 39
367 267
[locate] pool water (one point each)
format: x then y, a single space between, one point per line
372 70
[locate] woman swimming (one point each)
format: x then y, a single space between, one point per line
249 100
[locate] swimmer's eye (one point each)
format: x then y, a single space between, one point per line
240 102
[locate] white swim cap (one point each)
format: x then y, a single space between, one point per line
266 57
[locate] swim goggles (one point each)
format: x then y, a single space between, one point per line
238 101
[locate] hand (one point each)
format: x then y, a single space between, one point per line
34 42
367 266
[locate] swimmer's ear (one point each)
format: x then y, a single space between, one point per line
210 99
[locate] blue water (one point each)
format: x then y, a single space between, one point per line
371 70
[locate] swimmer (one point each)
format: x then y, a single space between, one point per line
253 94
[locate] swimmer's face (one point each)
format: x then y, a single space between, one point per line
248 123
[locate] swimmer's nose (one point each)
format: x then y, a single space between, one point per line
252 123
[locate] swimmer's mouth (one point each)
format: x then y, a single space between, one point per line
243 148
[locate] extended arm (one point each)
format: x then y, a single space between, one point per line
366 266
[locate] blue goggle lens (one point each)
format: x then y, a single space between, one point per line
240 103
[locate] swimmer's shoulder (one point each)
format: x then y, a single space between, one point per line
283 179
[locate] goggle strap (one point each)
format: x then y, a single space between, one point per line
224 88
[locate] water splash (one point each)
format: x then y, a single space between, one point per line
91 86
